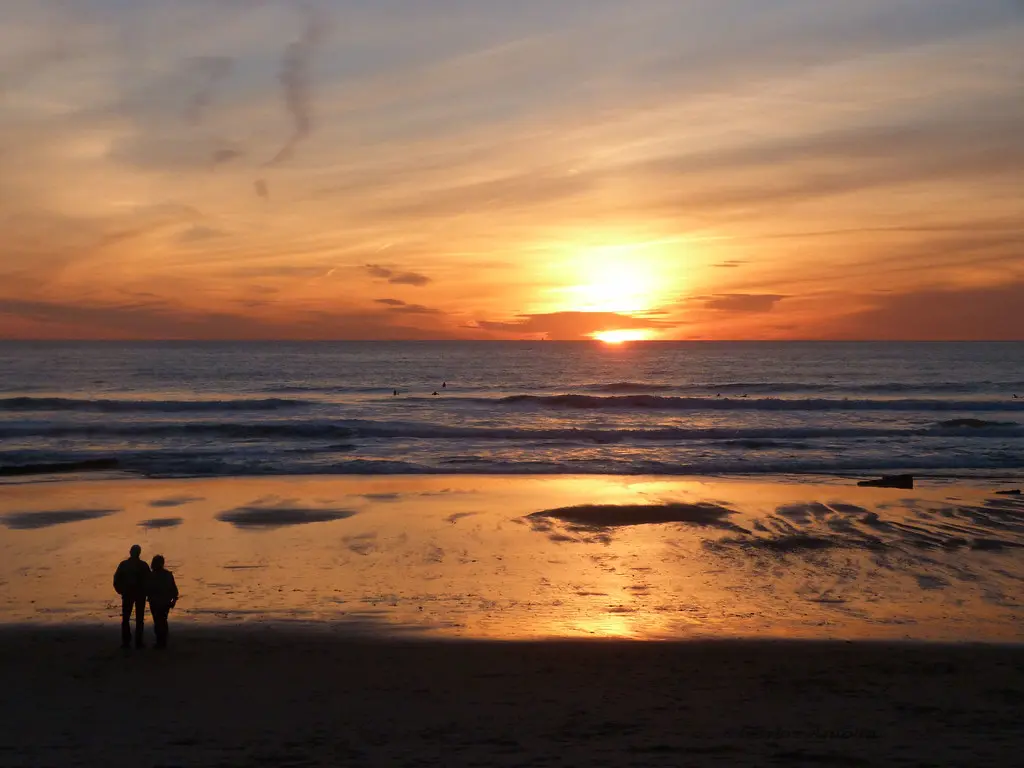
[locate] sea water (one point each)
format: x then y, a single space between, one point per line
687 408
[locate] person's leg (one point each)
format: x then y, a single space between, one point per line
160 623
156 612
140 618
126 615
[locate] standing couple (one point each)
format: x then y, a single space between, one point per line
134 581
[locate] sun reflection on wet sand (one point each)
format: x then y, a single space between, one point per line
529 557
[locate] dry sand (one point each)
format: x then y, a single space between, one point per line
275 697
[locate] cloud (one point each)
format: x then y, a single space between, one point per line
277 269
160 319
402 307
742 302
520 189
416 309
295 80
396 278
209 70
930 151
572 325
730 264
994 313
199 233
224 155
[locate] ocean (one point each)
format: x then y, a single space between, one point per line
188 409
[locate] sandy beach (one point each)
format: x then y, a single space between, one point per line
516 621
281 698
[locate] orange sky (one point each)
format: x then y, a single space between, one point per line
662 168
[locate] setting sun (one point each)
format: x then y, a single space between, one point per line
618 337
615 285
626 278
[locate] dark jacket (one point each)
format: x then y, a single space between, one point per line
131 576
161 589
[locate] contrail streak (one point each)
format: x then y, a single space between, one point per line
295 77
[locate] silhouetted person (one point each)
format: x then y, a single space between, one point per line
130 580
444 385
395 394
163 595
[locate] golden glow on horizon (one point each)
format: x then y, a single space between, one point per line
604 623
620 337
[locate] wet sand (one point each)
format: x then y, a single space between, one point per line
247 697
529 557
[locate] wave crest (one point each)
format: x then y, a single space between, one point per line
656 402
750 437
129 406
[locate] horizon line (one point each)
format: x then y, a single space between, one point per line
508 341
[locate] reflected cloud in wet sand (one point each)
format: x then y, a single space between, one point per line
161 522
596 522
31 520
174 501
270 517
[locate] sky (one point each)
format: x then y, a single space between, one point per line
484 169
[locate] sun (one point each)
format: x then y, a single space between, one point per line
614 279
619 337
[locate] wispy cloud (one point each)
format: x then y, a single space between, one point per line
209 70
571 325
742 302
402 307
994 313
295 77
396 277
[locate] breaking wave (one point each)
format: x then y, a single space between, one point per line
26 404
621 387
167 463
325 430
655 402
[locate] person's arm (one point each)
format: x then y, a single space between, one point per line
118 578
174 591
144 579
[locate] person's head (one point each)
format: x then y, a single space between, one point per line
158 563
135 551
